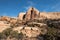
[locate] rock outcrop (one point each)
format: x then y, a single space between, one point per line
32 13
21 16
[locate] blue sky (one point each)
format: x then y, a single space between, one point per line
13 7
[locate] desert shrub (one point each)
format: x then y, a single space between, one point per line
15 34
7 31
20 36
2 36
11 34
51 34
53 23
52 31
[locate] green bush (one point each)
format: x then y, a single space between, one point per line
51 34
14 34
10 33
7 31
2 36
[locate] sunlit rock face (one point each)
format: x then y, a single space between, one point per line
43 15
28 31
4 25
31 31
54 15
13 20
5 18
32 13
21 16
50 15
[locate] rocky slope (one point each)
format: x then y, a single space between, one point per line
33 23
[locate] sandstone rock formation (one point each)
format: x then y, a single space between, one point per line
32 13
21 16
